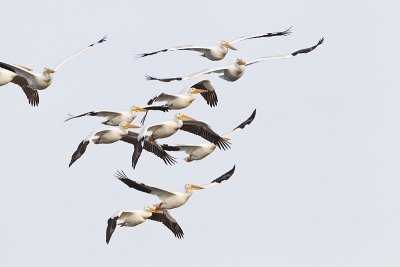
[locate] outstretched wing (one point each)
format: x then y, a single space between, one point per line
79 52
301 51
166 219
19 70
222 178
79 151
162 108
202 129
161 96
111 225
262 35
210 96
31 94
82 147
188 77
243 124
94 113
162 194
201 49
187 148
157 150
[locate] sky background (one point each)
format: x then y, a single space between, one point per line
317 173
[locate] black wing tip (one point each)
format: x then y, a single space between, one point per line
169 160
34 103
288 31
225 176
140 55
169 148
111 225
307 50
150 78
103 39
179 233
233 169
69 117
120 175
4 66
33 100
166 80
223 144
151 101
100 41
253 115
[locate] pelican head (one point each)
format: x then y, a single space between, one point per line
226 44
183 117
138 109
240 61
126 125
150 209
191 187
197 91
48 71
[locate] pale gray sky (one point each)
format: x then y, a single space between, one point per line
317 176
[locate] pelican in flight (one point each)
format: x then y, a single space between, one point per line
171 200
31 81
198 152
186 96
114 134
184 123
168 128
234 71
217 52
114 118
136 217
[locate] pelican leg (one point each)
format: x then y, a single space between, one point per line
158 207
151 138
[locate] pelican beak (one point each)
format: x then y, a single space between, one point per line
198 91
240 61
196 187
151 209
139 109
225 138
185 118
131 126
228 45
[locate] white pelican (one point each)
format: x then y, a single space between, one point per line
114 134
186 96
188 124
198 152
171 200
114 118
217 52
109 136
31 81
136 217
234 71
168 128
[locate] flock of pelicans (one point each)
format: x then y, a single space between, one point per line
120 123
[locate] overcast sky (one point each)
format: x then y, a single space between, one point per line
317 173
